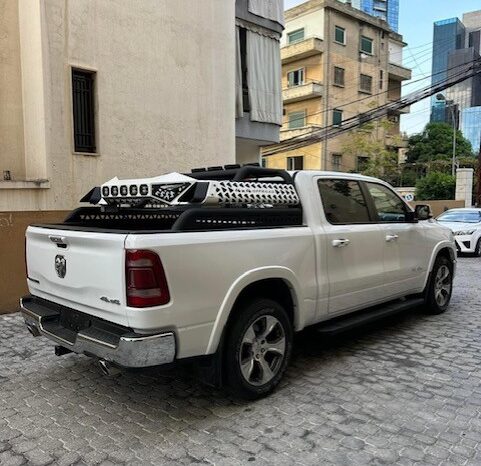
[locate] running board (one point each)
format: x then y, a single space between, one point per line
351 321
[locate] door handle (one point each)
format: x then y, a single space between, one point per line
391 238
340 243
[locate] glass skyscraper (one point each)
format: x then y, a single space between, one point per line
471 126
388 10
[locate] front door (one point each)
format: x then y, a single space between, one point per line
354 246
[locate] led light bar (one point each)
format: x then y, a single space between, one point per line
171 190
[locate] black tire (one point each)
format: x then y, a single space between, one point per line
439 290
251 321
477 251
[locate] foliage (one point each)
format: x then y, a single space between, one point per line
364 142
436 143
436 185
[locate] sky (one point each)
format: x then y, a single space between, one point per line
416 25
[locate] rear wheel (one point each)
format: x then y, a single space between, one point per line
440 287
259 347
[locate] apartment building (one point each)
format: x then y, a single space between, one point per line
90 90
337 62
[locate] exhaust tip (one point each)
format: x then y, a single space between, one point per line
108 368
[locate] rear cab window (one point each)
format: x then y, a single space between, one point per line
343 201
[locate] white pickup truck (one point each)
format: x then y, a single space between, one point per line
223 266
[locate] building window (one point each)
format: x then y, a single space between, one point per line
362 163
337 117
295 163
366 45
263 162
296 77
340 35
243 53
381 79
336 162
366 83
83 106
339 76
297 119
295 36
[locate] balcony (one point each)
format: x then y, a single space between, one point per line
304 131
300 50
302 92
396 140
399 73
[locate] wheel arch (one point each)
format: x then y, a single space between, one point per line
277 283
445 249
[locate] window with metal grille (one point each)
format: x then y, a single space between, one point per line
336 162
295 36
366 83
362 162
339 76
381 79
295 163
337 117
83 85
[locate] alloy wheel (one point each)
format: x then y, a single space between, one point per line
262 350
442 286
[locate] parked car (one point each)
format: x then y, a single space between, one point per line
466 226
221 267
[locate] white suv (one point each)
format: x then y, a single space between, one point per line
221 267
466 226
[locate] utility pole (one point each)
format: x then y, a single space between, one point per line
478 179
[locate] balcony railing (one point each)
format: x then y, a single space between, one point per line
399 73
300 50
302 92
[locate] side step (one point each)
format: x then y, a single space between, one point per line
351 321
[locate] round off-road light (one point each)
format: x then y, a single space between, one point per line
124 190
115 191
105 191
144 189
134 190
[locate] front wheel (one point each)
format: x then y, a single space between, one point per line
440 286
477 251
259 347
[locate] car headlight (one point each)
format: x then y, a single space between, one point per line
464 233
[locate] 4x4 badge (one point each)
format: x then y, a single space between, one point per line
60 265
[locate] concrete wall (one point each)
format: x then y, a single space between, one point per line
164 91
11 115
13 284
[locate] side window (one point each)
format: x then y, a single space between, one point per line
343 202
388 206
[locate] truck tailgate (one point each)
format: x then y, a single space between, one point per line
81 270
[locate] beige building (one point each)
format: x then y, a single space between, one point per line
93 89
337 62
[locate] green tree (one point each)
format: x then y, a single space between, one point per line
381 161
436 185
435 143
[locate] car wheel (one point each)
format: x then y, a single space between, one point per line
440 286
477 251
258 350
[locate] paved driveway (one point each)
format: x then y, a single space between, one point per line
405 392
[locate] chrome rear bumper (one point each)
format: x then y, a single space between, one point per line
97 338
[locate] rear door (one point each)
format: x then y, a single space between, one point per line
354 246
406 252
81 270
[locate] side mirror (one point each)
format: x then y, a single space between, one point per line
423 212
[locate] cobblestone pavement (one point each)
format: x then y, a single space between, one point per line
406 392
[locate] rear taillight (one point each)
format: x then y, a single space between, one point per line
145 279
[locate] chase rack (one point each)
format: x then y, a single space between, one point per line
214 198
